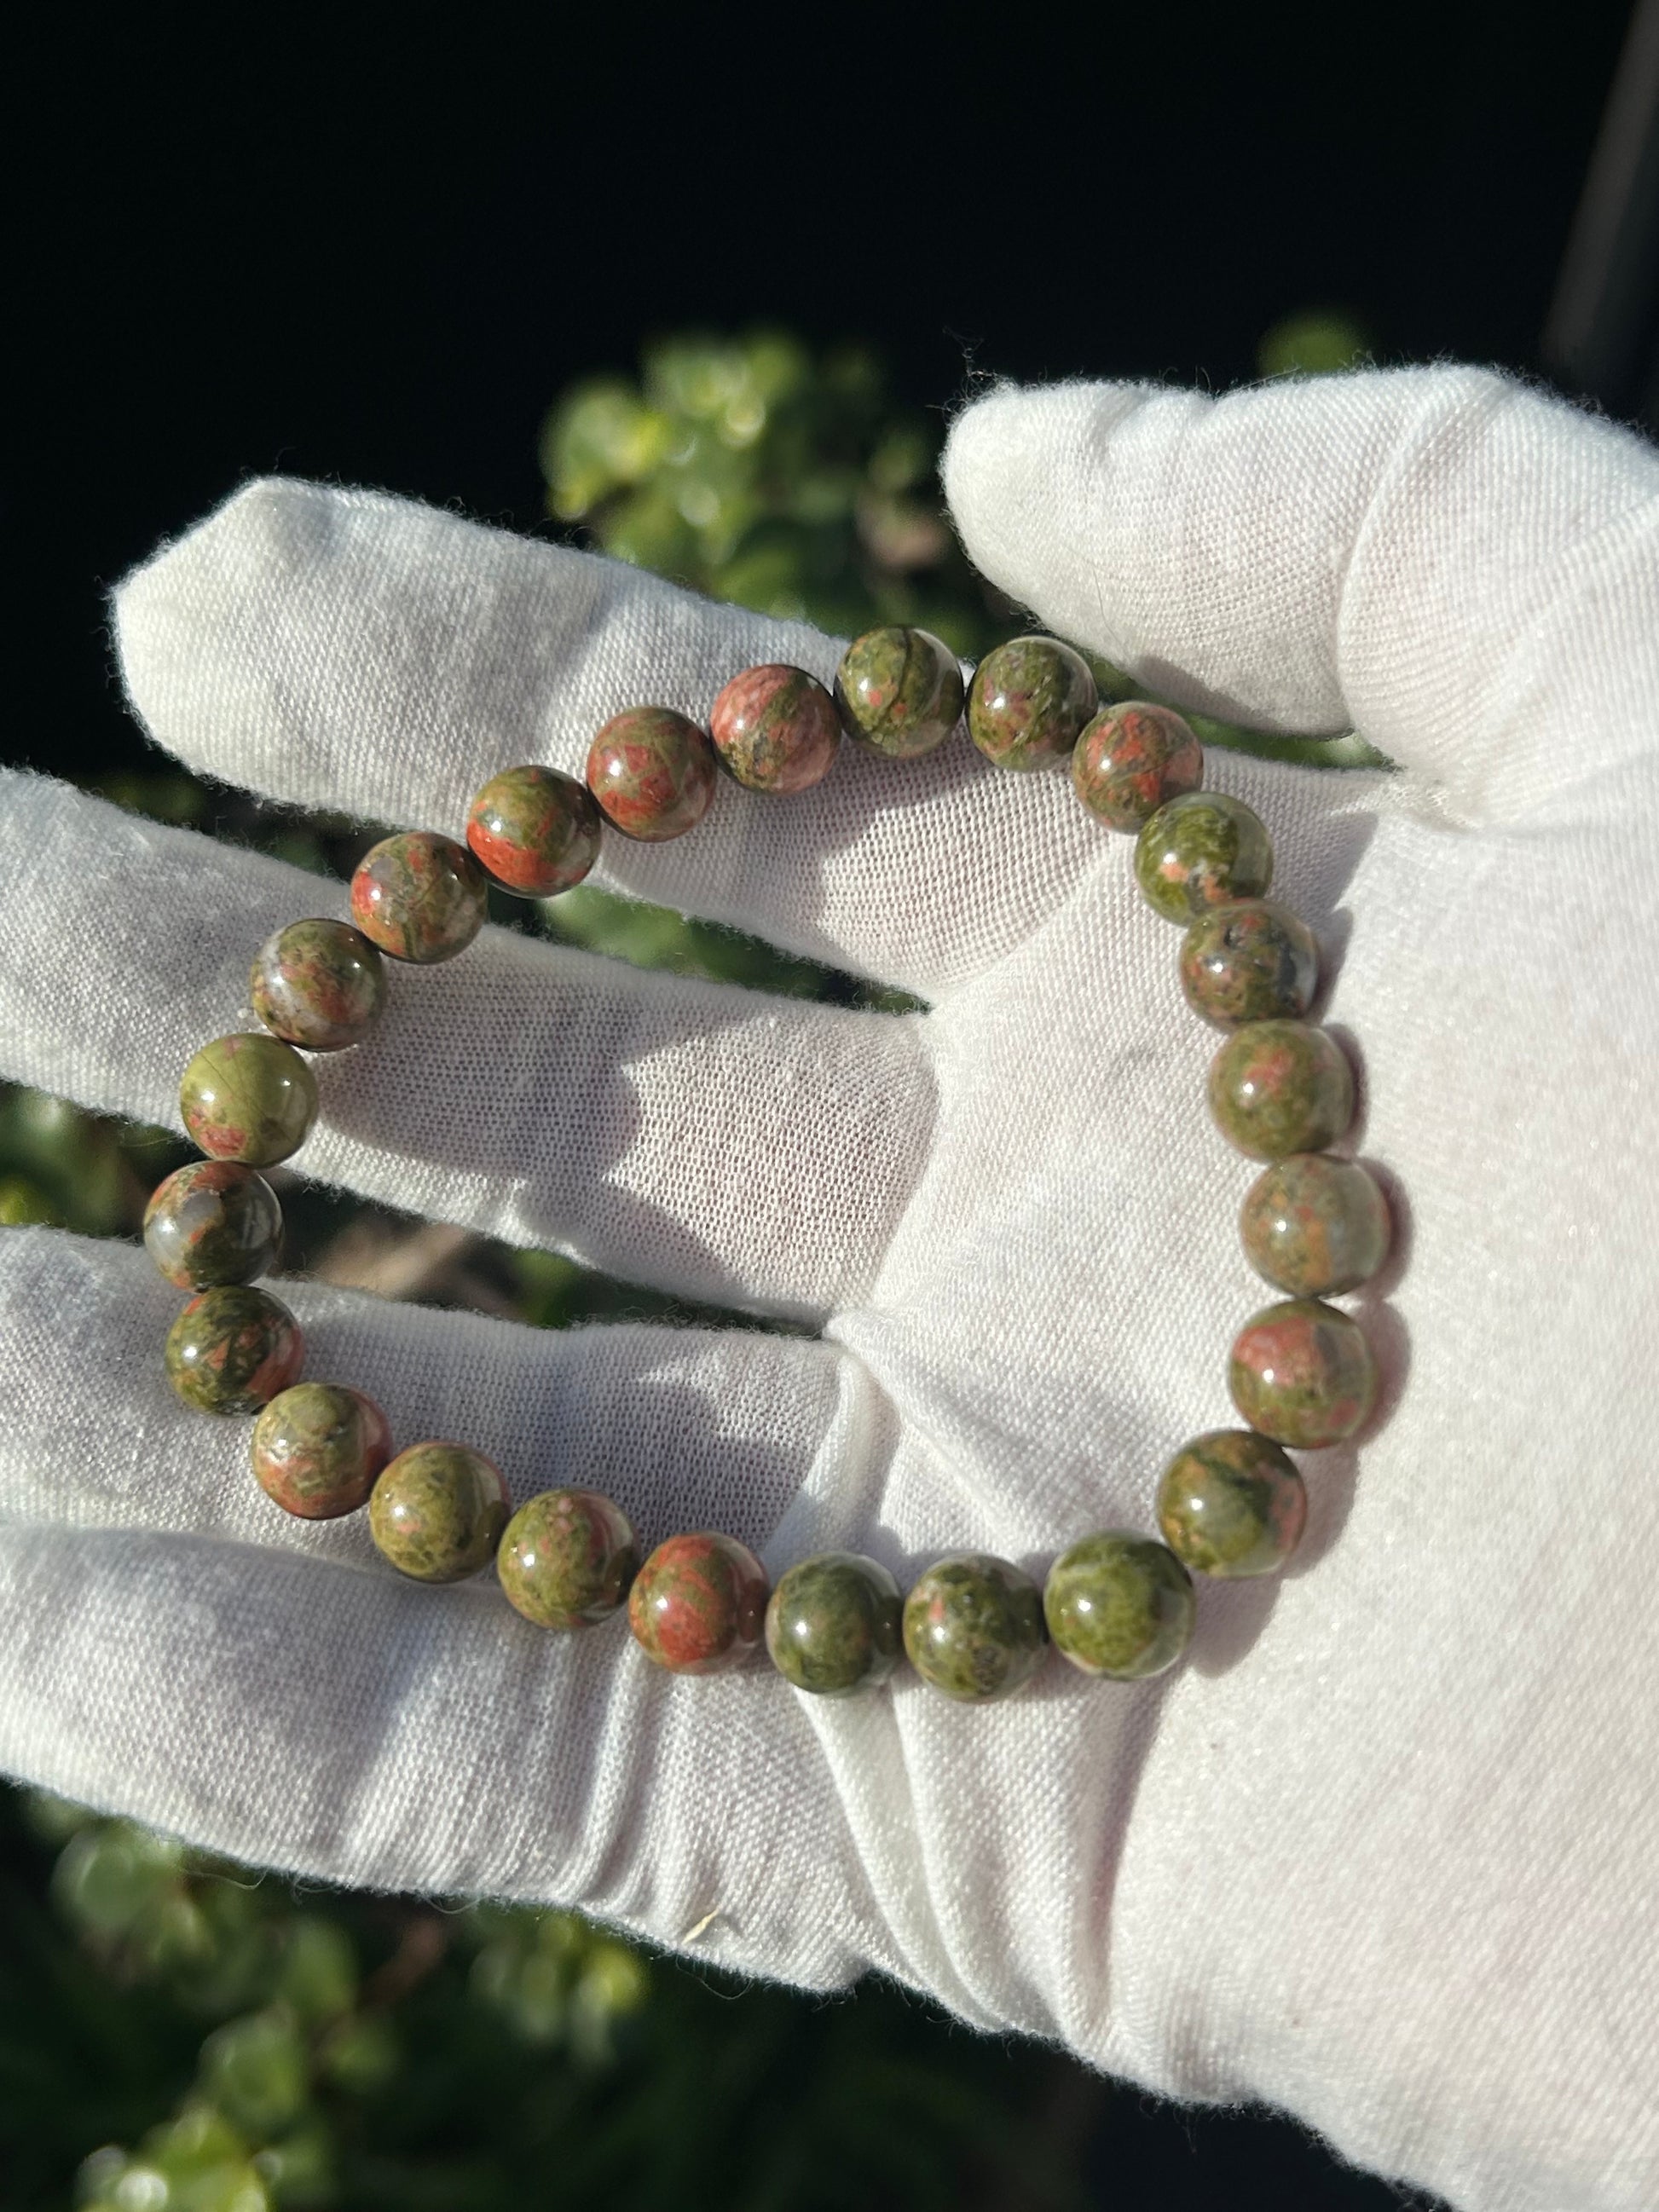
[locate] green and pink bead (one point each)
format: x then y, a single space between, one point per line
1303 1373
437 1512
1230 1504
231 1349
319 984
317 1447
248 1097
974 1628
1027 702
1280 1087
535 831
899 691
419 896
213 1222
1131 759
653 772
568 1559
776 728
698 1604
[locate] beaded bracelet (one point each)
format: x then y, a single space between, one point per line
1118 1603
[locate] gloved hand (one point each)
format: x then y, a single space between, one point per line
1382 1851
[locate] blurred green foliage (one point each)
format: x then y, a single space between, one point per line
189 2038
206 2040
755 472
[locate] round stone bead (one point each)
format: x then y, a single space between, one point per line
1028 700
1303 1373
1201 850
833 1626
419 896
232 1349
899 691
653 772
319 984
437 1512
974 1627
1230 1504
1315 1226
215 1221
567 1559
698 1604
1119 1604
317 1448
248 1097
776 728
535 830
1280 1087
1249 962
1134 758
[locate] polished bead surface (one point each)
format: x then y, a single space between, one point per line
535 830
1028 700
653 772
1230 1504
899 691
248 1097
1249 962
231 1349
1303 1373
698 1604
567 1559
420 896
317 1448
1134 758
776 728
1201 850
1280 1087
212 1222
1119 1604
437 1512
973 1626
319 984
1315 1226
833 1626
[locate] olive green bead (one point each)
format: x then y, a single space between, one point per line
1201 850
437 1512
1315 1226
1119 1604
833 1624
974 1627
1280 1087
1303 1373
568 1559
899 691
317 1448
213 1222
1231 1504
232 1349
1028 700
248 1097
1250 961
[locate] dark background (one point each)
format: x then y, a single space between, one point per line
367 250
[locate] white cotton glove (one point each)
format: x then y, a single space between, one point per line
1383 1852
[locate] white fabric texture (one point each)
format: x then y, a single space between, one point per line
1382 1853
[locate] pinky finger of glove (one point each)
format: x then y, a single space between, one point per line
181 1651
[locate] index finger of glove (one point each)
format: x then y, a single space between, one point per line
347 651
1458 567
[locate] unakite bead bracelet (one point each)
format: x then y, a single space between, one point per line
1117 1603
